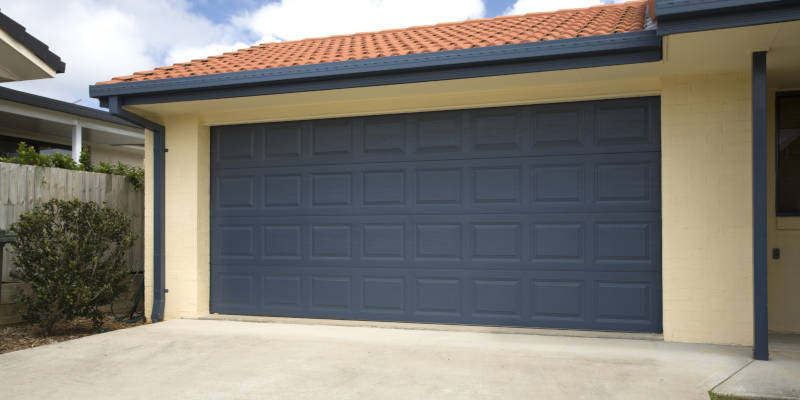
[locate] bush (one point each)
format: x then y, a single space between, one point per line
27 155
72 254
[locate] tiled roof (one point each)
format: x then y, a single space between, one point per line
535 27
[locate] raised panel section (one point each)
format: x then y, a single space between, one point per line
283 190
383 294
496 185
233 289
282 291
331 292
384 241
622 242
623 182
235 143
236 242
439 241
282 141
235 192
624 123
623 301
438 132
331 241
557 242
332 137
556 127
283 241
557 184
496 241
438 296
384 188
497 130
439 186
385 135
497 297
557 300
333 189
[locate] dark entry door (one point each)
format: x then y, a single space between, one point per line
545 215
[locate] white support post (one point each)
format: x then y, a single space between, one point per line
77 141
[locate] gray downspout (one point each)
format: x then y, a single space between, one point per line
159 148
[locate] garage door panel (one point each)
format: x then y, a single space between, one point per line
611 241
594 183
544 215
612 126
568 299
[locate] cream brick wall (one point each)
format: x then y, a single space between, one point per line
707 209
187 218
706 189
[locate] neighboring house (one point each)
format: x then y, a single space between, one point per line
56 126
608 168
52 125
22 56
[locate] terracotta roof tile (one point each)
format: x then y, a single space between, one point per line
526 28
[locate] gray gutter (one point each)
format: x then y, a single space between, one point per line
614 49
18 32
159 160
673 8
61 106
682 16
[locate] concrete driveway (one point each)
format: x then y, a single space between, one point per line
211 359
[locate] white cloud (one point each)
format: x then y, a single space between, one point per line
529 6
299 19
100 39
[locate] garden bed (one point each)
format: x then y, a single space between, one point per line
26 336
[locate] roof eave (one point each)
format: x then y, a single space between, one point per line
614 49
682 16
47 103
41 50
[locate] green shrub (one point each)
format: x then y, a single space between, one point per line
27 155
73 256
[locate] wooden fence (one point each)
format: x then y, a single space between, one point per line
23 186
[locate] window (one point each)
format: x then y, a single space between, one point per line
8 146
788 154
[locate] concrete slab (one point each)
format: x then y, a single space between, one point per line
210 359
778 378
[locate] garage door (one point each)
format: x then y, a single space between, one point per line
545 215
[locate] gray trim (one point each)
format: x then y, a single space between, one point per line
667 8
760 321
622 48
159 151
763 12
61 106
17 31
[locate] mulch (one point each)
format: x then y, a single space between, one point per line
26 336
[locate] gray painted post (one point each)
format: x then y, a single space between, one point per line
760 322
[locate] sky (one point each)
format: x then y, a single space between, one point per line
100 39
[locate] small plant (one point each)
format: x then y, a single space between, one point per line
73 256
27 155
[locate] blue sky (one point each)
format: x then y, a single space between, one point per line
221 10
101 39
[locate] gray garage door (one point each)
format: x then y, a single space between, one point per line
545 215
